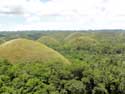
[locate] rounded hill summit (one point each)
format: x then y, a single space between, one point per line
24 50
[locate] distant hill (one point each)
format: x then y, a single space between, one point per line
73 35
81 42
24 50
49 41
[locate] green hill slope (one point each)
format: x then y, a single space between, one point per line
82 42
73 35
23 50
49 41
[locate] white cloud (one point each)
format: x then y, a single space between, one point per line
59 14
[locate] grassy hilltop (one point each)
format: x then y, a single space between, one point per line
49 41
23 50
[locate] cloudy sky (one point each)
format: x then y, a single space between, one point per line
61 14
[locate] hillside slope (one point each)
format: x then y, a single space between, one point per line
23 50
49 41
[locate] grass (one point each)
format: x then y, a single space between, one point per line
49 41
23 50
73 35
81 42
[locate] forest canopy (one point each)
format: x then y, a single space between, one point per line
97 64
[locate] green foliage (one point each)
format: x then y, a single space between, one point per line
48 78
98 66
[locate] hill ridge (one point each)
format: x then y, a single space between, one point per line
24 49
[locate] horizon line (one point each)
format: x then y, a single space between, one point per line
62 30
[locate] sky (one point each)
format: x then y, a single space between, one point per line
61 14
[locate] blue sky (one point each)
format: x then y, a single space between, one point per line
61 14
